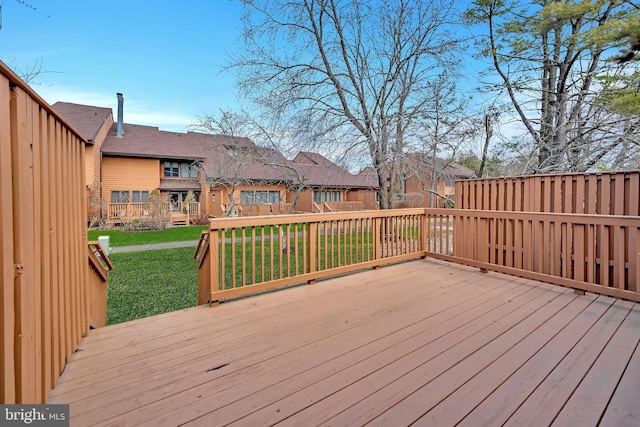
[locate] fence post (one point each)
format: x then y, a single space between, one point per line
482 242
214 266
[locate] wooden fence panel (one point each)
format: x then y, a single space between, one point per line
7 269
595 253
604 193
44 294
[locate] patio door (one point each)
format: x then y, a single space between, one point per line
216 203
175 198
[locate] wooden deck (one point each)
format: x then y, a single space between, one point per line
423 342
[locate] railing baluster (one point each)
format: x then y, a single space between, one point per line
567 249
271 254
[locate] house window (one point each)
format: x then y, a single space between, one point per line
249 197
274 197
180 170
171 169
140 196
120 197
184 170
326 196
261 196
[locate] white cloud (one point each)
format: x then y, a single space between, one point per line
135 112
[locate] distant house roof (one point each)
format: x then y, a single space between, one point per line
460 171
86 119
417 161
224 157
221 157
322 172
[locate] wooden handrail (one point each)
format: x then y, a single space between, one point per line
202 247
99 260
593 253
263 252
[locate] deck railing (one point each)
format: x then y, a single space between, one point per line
127 212
255 209
243 255
346 206
592 253
97 284
596 253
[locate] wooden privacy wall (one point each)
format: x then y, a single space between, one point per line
605 193
575 250
43 250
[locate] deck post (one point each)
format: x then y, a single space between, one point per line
422 244
312 262
214 264
482 242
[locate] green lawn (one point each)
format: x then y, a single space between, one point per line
146 283
118 238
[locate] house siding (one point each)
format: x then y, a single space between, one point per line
305 201
89 166
97 146
122 173
414 185
92 164
368 197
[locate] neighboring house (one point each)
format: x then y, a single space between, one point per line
330 187
125 162
420 172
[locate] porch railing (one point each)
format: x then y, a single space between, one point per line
126 212
345 206
592 253
255 209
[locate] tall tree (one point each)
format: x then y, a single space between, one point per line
355 70
547 55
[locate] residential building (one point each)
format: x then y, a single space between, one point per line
126 162
419 173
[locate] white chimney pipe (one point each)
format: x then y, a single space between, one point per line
120 125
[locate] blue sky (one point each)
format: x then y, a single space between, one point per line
164 56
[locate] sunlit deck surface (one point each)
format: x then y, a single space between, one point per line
423 342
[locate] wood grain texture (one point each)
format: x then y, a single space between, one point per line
421 341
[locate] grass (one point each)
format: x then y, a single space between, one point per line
147 283
119 238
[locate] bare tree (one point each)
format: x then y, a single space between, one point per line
352 70
231 173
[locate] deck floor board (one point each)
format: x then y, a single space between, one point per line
422 341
